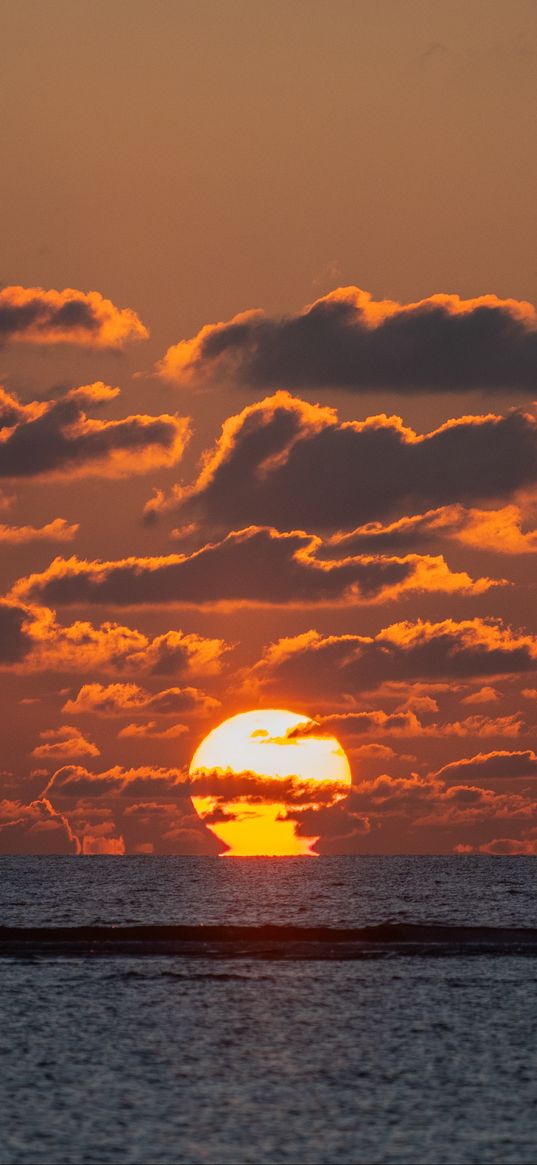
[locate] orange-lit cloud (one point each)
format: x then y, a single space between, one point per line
283 462
348 664
349 340
258 566
129 699
56 531
498 531
151 731
57 438
31 639
405 723
31 315
65 741
485 695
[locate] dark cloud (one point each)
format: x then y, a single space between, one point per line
15 640
285 463
257 566
57 437
226 787
347 339
36 316
167 829
491 765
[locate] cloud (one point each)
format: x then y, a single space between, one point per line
347 664
508 847
74 782
32 315
141 810
387 794
32 640
57 437
167 829
15 639
56 531
229 790
486 695
499 531
129 699
349 340
340 828
283 462
472 805
498 765
151 731
405 723
254 566
427 801
35 829
103 843
65 741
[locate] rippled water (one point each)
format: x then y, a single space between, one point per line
239 1060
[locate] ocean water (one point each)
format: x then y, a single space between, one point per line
419 1046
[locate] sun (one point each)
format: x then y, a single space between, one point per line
260 778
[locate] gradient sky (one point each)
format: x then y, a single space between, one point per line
189 163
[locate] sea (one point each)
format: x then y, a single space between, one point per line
325 1010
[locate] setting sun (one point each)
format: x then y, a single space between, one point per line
258 773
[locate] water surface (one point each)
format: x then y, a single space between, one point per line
177 1059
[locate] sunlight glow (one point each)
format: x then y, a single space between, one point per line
257 781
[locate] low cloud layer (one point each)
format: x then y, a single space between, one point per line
36 828
31 315
57 437
285 463
347 339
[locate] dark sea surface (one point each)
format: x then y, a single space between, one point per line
270 1050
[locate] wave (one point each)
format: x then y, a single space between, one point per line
388 939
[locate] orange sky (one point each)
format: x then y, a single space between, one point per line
231 193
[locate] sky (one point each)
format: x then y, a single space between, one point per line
268 357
